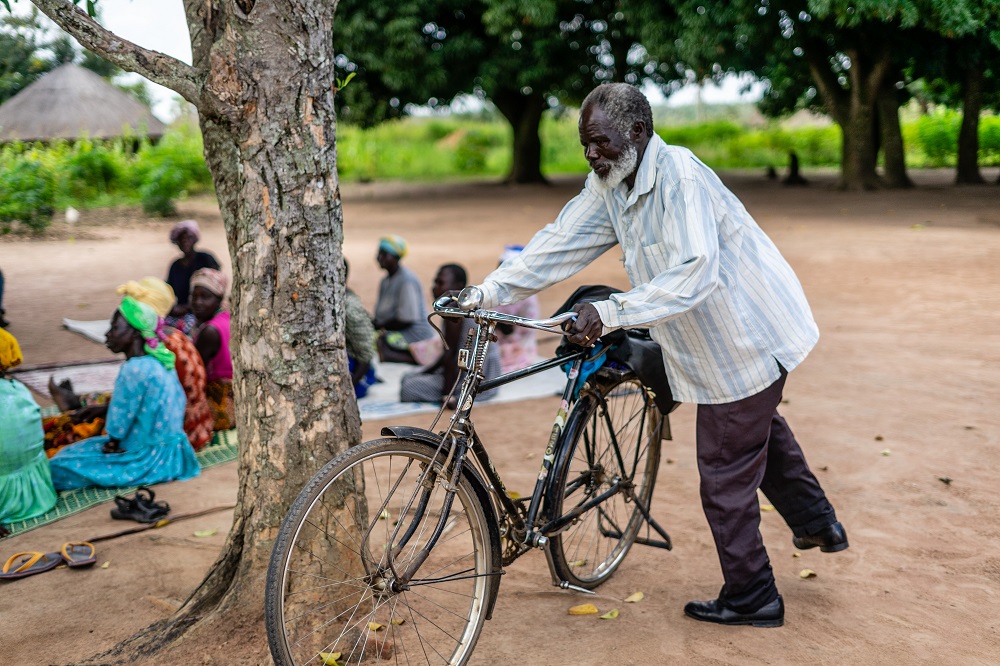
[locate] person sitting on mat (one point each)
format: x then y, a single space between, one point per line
434 382
404 336
78 420
185 235
359 338
211 337
145 441
25 482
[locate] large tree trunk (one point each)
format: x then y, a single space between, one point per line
524 113
892 137
853 108
968 135
267 117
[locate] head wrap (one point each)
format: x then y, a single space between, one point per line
510 251
144 319
393 244
190 226
10 352
152 291
211 279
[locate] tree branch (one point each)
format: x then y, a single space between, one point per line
155 66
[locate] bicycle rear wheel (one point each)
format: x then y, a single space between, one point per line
329 583
613 436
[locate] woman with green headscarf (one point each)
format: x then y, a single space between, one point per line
145 441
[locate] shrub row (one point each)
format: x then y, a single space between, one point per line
36 179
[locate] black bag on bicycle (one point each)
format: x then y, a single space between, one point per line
631 347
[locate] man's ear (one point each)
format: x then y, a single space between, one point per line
638 131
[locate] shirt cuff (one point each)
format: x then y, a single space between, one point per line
609 313
491 295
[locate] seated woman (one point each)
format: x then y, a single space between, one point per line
211 338
434 382
359 338
25 482
185 235
145 441
78 420
518 348
404 336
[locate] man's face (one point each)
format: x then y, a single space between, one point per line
386 260
444 281
612 156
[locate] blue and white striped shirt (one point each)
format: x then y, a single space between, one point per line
720 300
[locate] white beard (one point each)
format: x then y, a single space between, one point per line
626 163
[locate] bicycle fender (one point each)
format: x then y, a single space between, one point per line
479 487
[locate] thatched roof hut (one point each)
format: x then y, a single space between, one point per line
71 102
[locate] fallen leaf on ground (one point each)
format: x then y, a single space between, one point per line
206 533
946 480
397 621
330 658
886 452
767 507
374 626
807 573
635 598
583 609
106 564
796 555
879 438
384 515
578 563
513 494
610 615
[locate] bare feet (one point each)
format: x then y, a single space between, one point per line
63 395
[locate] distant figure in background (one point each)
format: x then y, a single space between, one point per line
404 336
145 441
83 415
3 322
518 348
185 235
359 337
211 337
434 382
25 482
794 177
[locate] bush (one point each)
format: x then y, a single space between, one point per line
93 169
937 135
162 187
27 193
473 150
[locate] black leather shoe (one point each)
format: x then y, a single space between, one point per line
831 539
771 615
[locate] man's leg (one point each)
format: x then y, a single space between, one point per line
732 444
791 486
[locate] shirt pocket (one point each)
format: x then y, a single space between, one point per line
653 259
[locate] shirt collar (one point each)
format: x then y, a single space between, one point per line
645 176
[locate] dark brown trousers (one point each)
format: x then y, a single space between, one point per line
743 446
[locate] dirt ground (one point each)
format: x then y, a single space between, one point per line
896 409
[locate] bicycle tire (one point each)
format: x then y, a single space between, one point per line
323 570
589 550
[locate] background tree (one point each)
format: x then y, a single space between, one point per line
524 56
23 58
262 78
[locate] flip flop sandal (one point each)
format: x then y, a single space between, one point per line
79 554
28 564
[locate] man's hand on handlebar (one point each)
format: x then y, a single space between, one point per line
588 325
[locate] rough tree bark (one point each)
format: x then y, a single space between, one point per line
853 107
263 82
524 113
968 135
891 135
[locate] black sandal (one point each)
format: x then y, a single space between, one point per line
140 508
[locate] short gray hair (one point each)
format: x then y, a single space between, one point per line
624 104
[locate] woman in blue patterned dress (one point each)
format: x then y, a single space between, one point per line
145 441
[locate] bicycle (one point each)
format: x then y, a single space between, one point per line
393 552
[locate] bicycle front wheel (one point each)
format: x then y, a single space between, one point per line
613 436
330 594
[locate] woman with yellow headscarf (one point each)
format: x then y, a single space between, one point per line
145 441
25 483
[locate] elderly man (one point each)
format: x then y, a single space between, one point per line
728 313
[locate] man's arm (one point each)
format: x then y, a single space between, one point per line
581 233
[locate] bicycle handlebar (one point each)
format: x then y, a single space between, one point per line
449 306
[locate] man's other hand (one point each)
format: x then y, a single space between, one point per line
587 327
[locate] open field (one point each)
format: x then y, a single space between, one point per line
901 393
